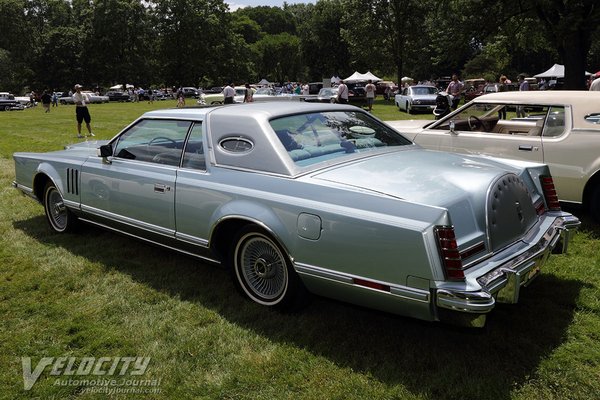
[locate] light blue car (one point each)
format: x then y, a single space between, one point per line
300 198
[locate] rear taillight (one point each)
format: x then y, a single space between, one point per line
550 193
449 253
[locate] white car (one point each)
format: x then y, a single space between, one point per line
93 98
218 98
558 128
416 98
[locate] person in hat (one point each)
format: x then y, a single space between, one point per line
81 111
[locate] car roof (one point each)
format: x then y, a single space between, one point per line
543 96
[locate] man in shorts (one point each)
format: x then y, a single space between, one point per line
81 111
370 90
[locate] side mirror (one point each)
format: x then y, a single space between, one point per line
105 151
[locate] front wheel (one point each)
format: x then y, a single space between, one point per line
263 272
60 218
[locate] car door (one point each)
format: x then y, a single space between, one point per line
136 187
512 137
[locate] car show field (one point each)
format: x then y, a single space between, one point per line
93 293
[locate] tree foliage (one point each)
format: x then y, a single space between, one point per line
56 43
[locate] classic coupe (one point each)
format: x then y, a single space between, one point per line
557 128
297 198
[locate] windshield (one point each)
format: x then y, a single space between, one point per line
316 137
421 91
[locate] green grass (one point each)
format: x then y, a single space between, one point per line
97 294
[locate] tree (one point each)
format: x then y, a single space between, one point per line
278 57
570 24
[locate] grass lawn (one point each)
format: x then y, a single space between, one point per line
98 294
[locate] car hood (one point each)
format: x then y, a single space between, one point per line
421 176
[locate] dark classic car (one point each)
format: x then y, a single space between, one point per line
8 102
117 96
295 198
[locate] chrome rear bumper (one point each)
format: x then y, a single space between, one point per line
503 283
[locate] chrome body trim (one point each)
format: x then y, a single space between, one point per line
145 239
404 292
504 282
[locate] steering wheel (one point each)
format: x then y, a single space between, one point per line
473 124
162 138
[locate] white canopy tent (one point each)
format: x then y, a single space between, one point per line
120 86
264 82
358 77
335 79
556 71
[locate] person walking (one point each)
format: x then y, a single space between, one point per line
54 99
455 88
81 111
370 91
249 95
46 100
228 94
342 97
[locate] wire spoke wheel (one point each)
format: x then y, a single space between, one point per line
261 268
58 215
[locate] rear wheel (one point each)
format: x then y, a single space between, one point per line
60 218
263 272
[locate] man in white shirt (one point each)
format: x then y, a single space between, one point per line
342 93
81 111
370 90
229 94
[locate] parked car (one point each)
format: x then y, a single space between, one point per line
269 94
496 87
93 98
557 128
218 98
315 87
8 102
192 92
416 98
325 95
298 197
115 95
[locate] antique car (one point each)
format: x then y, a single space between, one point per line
300 198
269 94
325 95
93 98
219 98
559 129
116 95
416 98
8 102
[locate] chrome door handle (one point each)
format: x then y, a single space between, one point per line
160 188
525 148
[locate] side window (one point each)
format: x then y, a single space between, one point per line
156 141
555 122
194 150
